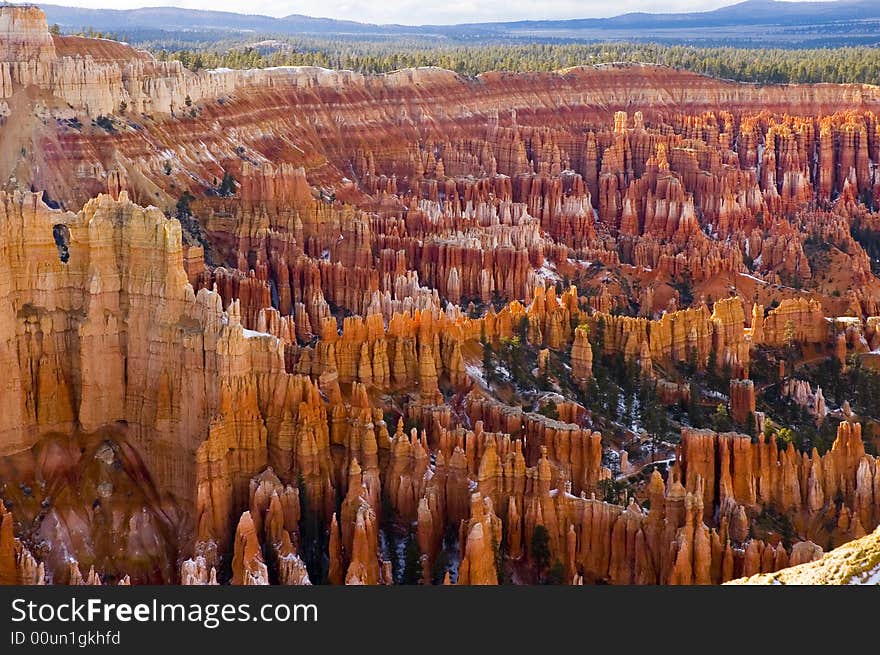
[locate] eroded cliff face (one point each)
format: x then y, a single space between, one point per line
288 381
106 343
172 433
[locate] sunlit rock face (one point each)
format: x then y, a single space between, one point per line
245 313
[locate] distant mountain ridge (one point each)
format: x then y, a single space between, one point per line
640 25
172 19
749 12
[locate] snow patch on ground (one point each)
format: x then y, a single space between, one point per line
476 372
752 277
869 577
292 69
717 395
548 272
253 334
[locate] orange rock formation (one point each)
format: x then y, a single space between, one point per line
202 392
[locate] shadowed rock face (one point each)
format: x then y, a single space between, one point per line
90 498
203 397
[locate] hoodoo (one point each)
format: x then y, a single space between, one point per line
304 326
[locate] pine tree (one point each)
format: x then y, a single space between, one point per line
489 369
183 207
441 565
540 548
412 565
556 574
227 185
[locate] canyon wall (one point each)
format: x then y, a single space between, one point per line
249 319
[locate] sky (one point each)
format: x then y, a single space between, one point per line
420 12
